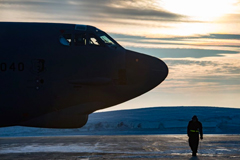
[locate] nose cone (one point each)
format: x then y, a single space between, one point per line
144 72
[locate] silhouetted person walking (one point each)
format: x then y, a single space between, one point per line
193 130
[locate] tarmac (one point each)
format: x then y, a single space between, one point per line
139 147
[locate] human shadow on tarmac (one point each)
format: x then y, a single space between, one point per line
194 158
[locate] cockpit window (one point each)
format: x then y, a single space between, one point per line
88 39
93 40
65 39
80 39
106 40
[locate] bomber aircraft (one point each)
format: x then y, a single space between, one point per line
54 75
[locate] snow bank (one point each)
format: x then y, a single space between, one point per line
156 120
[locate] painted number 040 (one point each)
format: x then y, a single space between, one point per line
14 67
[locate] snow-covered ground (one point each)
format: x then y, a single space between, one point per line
156 120
139 147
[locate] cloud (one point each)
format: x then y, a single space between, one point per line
26 2
224 43
127 9
230 18
221 36
182 53
178 38
207 66
202 75
95 9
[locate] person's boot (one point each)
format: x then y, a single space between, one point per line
194 154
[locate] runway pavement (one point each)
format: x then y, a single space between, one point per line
139 147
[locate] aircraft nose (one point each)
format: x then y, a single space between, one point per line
143 71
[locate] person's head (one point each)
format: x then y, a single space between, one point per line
194 118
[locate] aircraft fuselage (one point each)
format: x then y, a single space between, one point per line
55 75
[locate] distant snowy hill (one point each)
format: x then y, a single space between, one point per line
156 120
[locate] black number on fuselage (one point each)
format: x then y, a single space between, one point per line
20 66
12 67
4 67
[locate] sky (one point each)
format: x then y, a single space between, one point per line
199 40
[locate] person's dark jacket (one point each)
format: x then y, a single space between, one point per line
195 126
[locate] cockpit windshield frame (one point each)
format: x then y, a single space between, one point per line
88 36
